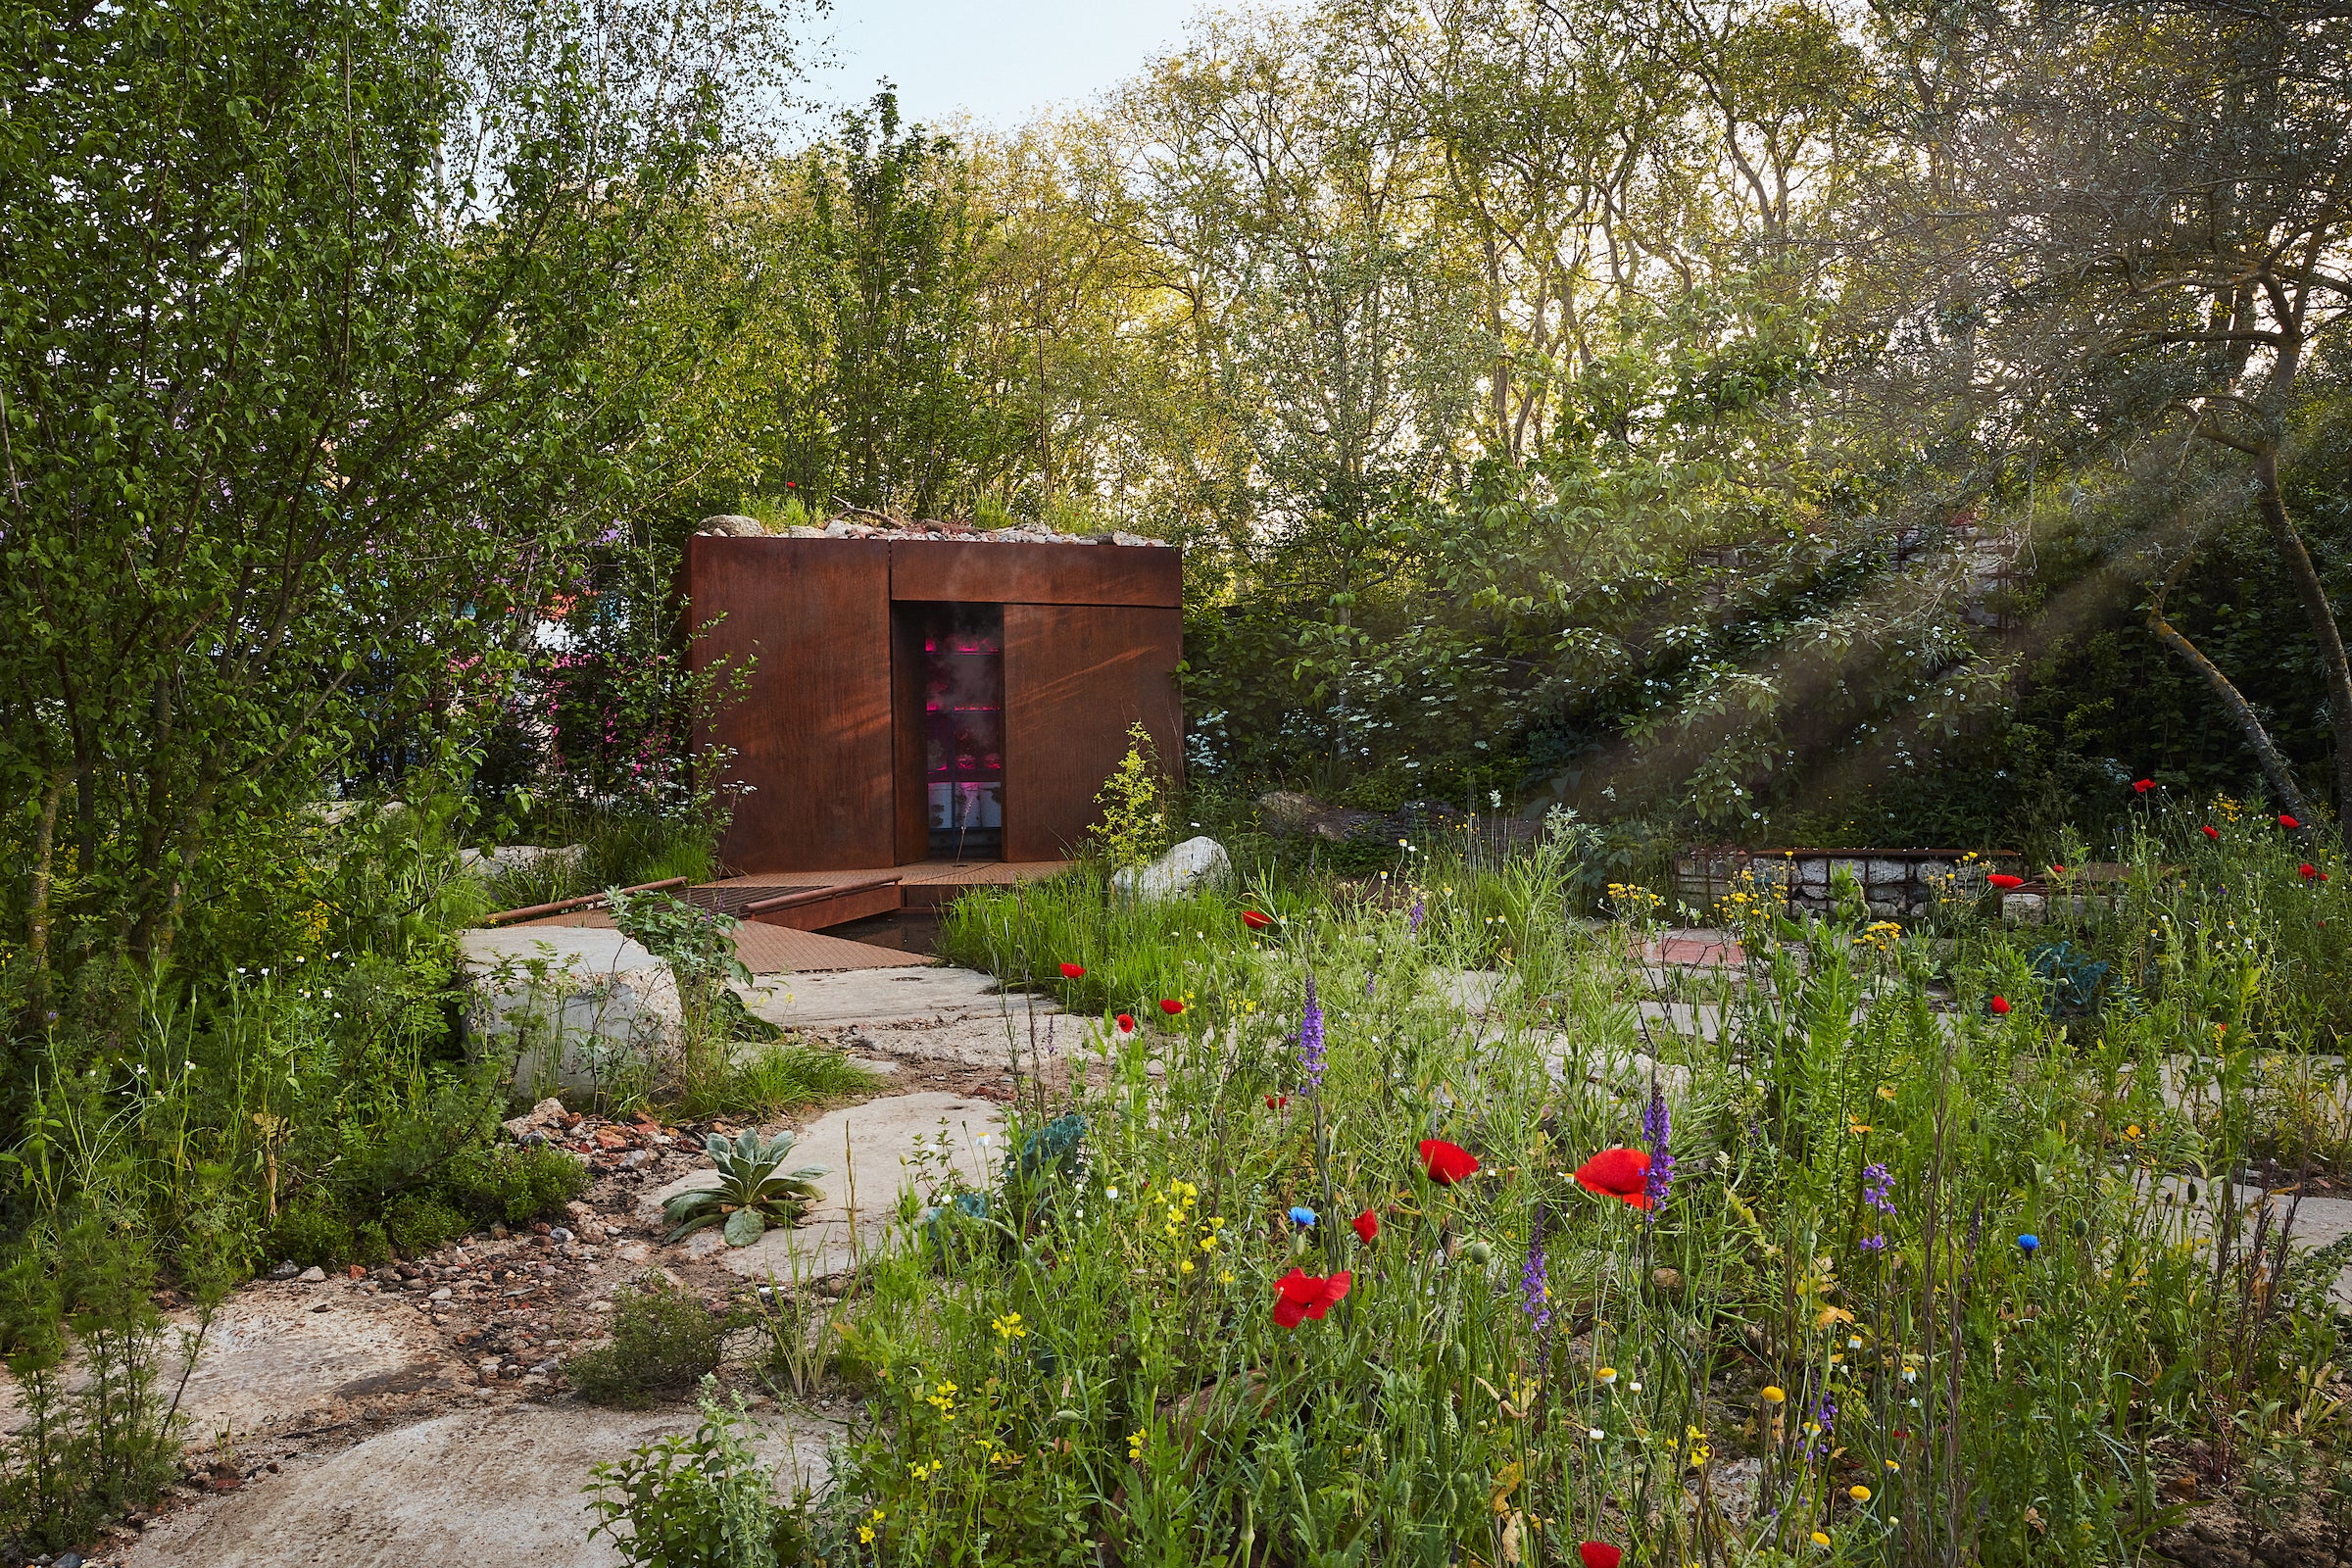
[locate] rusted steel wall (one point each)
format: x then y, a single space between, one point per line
813 734
1093 634
910 825
946 572
1075 677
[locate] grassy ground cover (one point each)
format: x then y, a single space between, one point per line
1333 1267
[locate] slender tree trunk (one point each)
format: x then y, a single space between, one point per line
44 852
2329 636
2275 770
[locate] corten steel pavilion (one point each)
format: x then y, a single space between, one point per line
925 711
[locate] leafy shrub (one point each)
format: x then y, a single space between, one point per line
698 945
515 1184
308 1234
698 1498
377 1159
1135 805
753 1191
369 1243
664 1340
418 1222
94 1428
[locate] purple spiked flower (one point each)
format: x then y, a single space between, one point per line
1878 1187
1311 1038
1412 920
1823 1426
1657 1129
1535 1284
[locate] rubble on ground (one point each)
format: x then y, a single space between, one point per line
736 526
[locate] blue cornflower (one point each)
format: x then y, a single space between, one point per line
2029 1244
1302 1217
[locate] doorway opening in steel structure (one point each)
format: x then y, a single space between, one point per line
963 729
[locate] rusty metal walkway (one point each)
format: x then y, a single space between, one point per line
784 912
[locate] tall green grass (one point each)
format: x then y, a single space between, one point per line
619 849
768 1079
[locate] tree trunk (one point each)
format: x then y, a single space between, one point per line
36 919
2275 768
2323 628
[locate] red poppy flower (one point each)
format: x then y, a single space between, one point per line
1599 1555
1255 919
1446 1163
2285 820
1170 1006
1299 1295
1073 971
1126 1023
2308 869
1998 1007
2210 831
1619 1173
2004 881
2057 870
1277 1101
2142 786
1368 1227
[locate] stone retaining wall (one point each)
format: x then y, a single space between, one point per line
1896 884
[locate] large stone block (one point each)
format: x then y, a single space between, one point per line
578 1005
1196 866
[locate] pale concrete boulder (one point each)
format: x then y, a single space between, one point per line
1196 866
577 1004
504 857
735 526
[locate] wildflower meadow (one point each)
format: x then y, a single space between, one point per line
1419 1221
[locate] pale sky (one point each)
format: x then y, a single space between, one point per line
1000 60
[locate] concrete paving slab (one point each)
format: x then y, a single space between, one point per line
2319 1221
1700 1020
959 1014
274 1360
500 1484
872 1153
1622 1071
1471 990
283 1356
573 999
